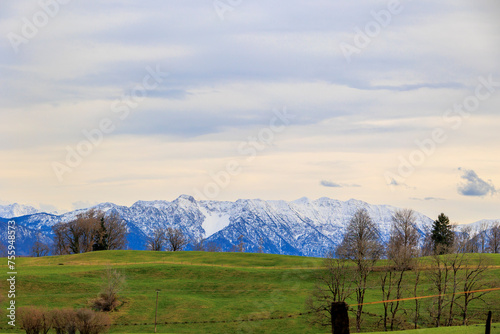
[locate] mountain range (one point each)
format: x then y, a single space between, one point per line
302 227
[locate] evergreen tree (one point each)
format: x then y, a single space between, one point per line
442 235
101 238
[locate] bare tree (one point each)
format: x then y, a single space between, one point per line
361 245
445 278
404 238
427 248
176 241
199 245
494 238
438 276
482 236
39 248
333 284
61 245
212 247
112 234
466 241
417 271
456 261
261 246
240 247
90 230
472 281
84 230
113 282
402 249
156 241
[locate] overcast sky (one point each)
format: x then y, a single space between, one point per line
119 101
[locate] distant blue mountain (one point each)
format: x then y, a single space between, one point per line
302 227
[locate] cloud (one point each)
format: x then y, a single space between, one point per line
330 184
474 185
399 184
427 199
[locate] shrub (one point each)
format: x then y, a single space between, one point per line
90 322
35 320
63 321
107 300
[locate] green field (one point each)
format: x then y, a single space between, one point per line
201 292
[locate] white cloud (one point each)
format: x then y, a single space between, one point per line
474 185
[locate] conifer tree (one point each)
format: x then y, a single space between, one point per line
442 234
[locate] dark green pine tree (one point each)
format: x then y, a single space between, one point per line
101 238
442 235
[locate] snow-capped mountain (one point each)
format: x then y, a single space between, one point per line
302 227
16 210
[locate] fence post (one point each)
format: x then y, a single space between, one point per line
340 318
488 323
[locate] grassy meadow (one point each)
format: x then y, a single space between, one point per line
203 292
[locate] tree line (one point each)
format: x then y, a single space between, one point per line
94 230
451 274
90 231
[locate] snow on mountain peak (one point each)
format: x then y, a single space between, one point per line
301 227
16 210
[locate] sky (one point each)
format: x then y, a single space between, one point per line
389 102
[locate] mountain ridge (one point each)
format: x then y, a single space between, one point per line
300 227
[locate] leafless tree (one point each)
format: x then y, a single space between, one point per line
113 282
61 245
404 238
88 229
199 245
261 246
445 277
439 277
482 236
494 238
156 242
84 229
240 247
466 241
333 284
112 232
402 250
362 246
176 241
427 245
212 247
457 261
473 281
39 248
417 270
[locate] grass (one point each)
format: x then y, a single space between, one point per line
474 329
224 288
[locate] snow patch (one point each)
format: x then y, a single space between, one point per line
213 222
